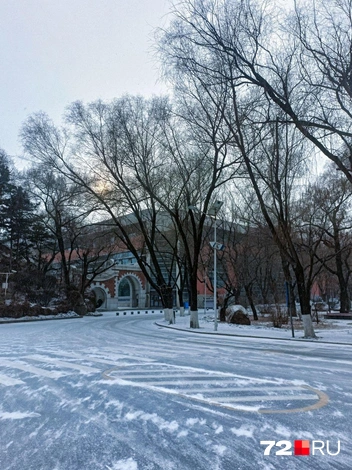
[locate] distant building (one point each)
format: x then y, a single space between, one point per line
121 285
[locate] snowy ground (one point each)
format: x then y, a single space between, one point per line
335 331
122 393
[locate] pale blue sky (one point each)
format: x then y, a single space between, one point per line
53 52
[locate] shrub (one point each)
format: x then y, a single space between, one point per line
279 316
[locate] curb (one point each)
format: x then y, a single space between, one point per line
251 336
138 311
36 319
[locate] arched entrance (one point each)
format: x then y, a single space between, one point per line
129 291
100 297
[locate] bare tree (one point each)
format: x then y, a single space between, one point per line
223 45
64 213
205 160
322 30
329 200
301 61
111 152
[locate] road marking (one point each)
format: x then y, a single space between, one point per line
152 375
112 363
238 389
8 381
177 370
195 377
180 381
146 373
68 365
130 361
265 398
32 370
323 401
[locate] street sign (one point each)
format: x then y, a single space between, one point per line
217 246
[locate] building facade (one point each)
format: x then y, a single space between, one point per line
122 285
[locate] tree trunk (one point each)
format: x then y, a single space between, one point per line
166 297
180 299
223 313
344 300
170 315
304 298
249 295
224 308
194 320
344 297
182 311
61 245
308 326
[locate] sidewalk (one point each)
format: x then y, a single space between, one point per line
327 331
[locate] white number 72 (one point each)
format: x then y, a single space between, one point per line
285 447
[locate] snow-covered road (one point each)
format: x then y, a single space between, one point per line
122 393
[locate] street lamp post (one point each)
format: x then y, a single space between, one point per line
214 209
212 212
215 281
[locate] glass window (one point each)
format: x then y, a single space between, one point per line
124 288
